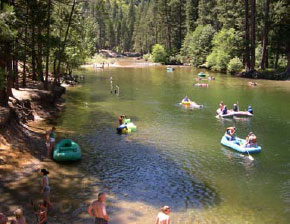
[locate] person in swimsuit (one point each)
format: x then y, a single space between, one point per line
52 140
20 219
163 216
42 214
98 209
45 190
47 144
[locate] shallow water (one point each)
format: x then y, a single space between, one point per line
175 158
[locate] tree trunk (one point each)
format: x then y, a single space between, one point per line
247 37
33 52
64 43
253 33
48 44
39 54
25 48
265 35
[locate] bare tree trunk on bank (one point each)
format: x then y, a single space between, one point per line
253 33
33 52
48 45
265 35
25 47
39 54
64 43
247 37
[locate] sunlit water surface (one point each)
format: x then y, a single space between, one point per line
175 158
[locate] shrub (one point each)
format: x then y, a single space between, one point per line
235 65
159 54
147 57
225 46
197 44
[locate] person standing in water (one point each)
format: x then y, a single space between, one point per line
45 190
163 216
47 144
52 140
98 209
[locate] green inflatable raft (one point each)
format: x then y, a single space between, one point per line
67 150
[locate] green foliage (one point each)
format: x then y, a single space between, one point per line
197 44
225 46
147 57
159 53
235 65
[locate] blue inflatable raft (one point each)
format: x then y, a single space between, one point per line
239 145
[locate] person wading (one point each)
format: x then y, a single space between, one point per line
98 209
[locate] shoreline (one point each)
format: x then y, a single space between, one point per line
22 148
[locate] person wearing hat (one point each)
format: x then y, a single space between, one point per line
163 215
45 190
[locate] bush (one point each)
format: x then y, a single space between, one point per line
147 57
225 46
235 65
159 53
197 44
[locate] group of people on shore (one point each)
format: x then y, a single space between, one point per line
40 209
97 209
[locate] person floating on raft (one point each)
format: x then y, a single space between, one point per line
250 109
236 108
121 119
230 133
222 105
225 110
251 140
186 99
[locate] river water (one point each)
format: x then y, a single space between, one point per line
175 158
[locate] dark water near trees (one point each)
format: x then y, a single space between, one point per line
175 158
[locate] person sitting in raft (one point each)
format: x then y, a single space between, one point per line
250 109
222 105
225 110
186 99
120 119
235 108
230 132
251 140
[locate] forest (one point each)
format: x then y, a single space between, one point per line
44 39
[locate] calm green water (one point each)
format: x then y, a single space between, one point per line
175 158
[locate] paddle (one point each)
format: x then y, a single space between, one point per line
250 157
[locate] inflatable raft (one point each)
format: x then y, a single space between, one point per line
201 74
191 104
67 150
169 69
231 114
126 127
239 145
201 84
